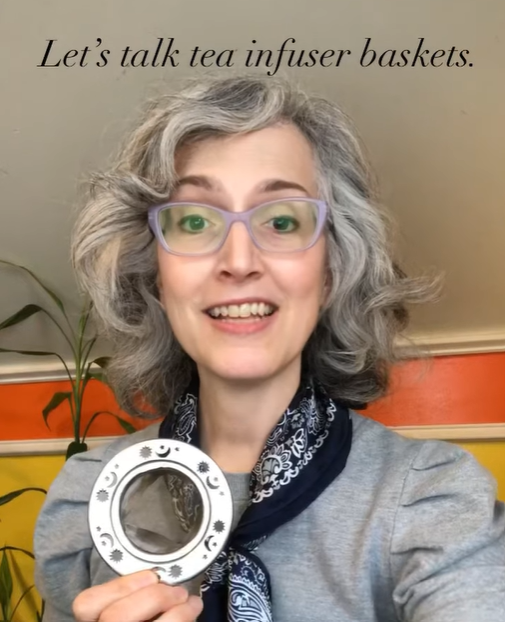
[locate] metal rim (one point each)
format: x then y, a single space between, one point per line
107 531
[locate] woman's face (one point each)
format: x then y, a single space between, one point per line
232 173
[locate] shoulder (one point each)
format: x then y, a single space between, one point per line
405 472
62 543
445 541
446 528
385 447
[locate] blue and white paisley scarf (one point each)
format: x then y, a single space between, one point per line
306 451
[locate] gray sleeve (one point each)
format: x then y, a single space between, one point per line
448 544
62 543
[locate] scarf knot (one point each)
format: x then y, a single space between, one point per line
305 452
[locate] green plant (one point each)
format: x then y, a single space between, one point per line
86 370
8 608
81 346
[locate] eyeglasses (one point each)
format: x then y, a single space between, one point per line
286 225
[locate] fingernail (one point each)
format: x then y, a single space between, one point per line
195 603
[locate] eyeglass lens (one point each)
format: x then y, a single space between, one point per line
280 226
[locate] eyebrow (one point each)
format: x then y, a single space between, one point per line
281 184
201 181
271 185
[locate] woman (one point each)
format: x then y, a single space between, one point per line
236 258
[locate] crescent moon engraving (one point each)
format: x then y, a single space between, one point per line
163 454
108 538
211 485
114 480
207 542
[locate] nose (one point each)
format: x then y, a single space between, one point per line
239 256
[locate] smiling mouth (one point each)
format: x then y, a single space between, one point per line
244 312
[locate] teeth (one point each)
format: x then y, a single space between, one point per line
233 311
245 310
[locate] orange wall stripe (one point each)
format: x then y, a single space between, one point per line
21 408
447 390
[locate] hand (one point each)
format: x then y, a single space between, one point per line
136 598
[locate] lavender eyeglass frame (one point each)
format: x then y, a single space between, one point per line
230 218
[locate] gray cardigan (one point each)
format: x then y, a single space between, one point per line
410 531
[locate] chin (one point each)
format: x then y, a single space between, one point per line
246 369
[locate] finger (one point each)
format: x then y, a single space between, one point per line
90 603
145 604
187 612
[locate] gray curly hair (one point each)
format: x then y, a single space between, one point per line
114 253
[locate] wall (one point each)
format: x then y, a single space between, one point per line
436 136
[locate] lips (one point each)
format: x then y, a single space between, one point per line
244 325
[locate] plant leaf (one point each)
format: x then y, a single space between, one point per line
30 352
96 375
75 448
90 422
122 422
99 376
54 297
54 402
102 361
5 586
83 320
16 548
10 496
21 600
20 316
126 425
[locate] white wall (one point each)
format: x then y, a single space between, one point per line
435 135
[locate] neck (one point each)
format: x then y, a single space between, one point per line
236 417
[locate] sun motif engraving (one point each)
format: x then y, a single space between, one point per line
146 452
175 571
203 467
116 555
219 526
102 495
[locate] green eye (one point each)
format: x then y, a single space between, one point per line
192 224
284 224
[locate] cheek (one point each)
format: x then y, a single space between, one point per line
304 280
179 278
181 285
174 285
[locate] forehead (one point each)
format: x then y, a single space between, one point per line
280 151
